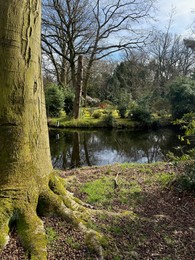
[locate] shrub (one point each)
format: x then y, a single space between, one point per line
122 111
187 122
54 98
110 120
68 102
186 181
141 115
97 114
124 103
182 97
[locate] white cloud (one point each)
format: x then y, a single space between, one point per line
183 15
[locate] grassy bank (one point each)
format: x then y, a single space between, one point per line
109 119
89 122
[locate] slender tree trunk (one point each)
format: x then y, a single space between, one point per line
78 92
87 77
63 70
63 74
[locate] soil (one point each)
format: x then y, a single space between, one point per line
161 224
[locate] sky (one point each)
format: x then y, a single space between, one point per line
183 15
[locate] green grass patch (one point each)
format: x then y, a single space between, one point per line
116 229
164 178
51 235
71 242
90 121
102 192
99 191
130 192
87 122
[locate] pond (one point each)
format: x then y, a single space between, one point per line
76 148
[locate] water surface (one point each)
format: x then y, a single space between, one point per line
76 148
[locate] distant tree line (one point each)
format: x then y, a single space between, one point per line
152 71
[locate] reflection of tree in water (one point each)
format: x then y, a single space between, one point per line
142 147
70 150
81 148
75 158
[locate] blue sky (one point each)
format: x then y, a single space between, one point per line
183 17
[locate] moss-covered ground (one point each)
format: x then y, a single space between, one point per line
138 209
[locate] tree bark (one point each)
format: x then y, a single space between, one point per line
27 184
78 91
22 107
25 163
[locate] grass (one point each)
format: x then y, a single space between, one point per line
165 178
99 191
51 235
155 221
90 122
94 117
71 242
102 192
130 191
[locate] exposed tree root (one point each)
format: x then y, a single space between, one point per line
53 199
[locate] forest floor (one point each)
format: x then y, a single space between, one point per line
156 220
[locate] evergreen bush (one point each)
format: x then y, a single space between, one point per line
54 98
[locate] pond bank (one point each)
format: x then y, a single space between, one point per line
91 122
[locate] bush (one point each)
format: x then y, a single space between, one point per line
186 181
187 122
97 114
54 98
68 102
182 97
141 115
122 111
124 103
110 120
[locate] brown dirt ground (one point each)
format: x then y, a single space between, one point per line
164 226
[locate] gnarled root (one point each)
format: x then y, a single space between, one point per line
5 215
65 205
54 199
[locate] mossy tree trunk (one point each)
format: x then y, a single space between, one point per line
25 162
26 178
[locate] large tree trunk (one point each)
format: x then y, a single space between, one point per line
23 128
25 162
26 181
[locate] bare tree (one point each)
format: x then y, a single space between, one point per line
115 29
95 29
64 29
170 59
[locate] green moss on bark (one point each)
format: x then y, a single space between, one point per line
25 162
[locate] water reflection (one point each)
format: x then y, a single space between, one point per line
71 149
